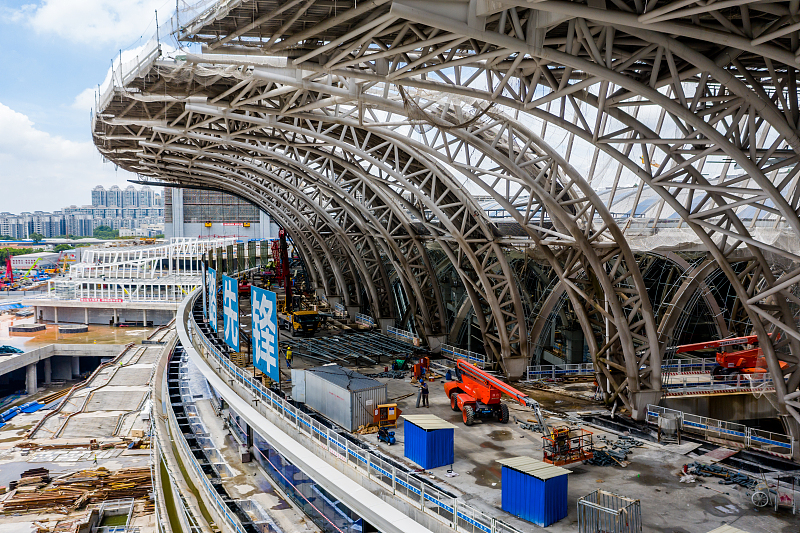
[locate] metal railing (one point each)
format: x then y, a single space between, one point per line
477 359
730 432
339 311
684 385
365 320
674 366
680 366
211 494
403 335
554 371
404 485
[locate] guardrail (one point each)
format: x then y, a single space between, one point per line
455 514
680 366
740 383
732 433
477 359
365 320
212 495
403 335
339 311
554 371
675 366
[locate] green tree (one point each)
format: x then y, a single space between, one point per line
105 232
63 248
5 252
37 237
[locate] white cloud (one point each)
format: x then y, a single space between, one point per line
85 100
44 172
96 22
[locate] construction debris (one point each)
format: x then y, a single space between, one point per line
616 452
390 374
727 477
74 491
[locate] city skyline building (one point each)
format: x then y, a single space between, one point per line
130 209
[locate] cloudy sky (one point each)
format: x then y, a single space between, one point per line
54 54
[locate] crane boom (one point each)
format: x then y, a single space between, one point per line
489 380
750 339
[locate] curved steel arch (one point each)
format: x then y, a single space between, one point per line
527 61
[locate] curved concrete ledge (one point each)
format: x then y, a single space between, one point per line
27 328
385 517
79 328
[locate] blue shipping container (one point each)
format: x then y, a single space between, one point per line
542 502
428 448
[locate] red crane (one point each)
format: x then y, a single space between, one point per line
749 360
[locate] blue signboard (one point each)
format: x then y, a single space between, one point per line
212 298
265 332
230 311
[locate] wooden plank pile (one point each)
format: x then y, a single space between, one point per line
74 491
30 480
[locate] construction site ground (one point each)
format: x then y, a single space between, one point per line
652 476
105 408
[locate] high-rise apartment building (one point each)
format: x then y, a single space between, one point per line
118 209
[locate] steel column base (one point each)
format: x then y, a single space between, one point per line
639 401
516 367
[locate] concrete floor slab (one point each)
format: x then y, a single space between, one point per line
114 400
668 506
93 426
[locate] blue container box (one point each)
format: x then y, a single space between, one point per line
534 491
428 440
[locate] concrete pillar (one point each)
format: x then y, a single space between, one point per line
55 315
86 315
48 371
35 314
144 317
76 366
352 310
30 379
116 317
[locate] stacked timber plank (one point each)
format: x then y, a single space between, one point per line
75 490
31 479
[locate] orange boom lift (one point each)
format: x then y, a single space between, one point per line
748 359
477 394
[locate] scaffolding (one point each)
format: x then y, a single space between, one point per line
164 273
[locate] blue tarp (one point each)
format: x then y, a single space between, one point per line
5 416
428 449
31 407
2 424
10 306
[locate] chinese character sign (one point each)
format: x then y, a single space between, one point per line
265 332
230 311
212 298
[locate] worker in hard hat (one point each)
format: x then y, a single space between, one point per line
289 357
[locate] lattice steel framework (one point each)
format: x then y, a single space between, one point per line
371 130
